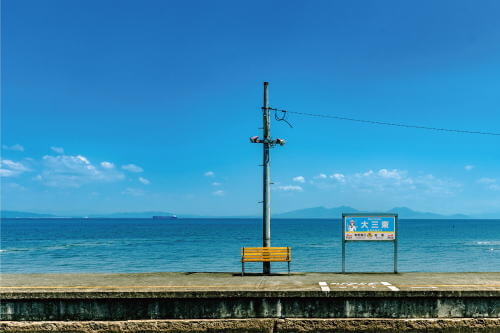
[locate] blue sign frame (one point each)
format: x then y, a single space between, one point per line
370 227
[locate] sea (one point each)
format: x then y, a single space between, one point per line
214 245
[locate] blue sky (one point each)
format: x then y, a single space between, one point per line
148 105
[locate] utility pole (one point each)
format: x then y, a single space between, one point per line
267 142
266 197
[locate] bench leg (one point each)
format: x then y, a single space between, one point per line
242 268
288 268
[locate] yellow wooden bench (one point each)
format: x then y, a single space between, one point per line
268 254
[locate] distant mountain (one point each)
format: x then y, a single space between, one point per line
131 215
488 216
314 212
407 213
317 212
336 212
15 214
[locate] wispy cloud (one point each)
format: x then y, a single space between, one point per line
132 168
469 167
135 192
390 180
321 176
216 184
16 147
74 171
338 177
144 181
15 186
10 168
107 165
486 180
218 193
490 183
58 150
209 174
299 179
290 188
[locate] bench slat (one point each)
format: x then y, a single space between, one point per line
265 247
267 254
267 260
266 250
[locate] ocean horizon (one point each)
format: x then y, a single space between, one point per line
126 245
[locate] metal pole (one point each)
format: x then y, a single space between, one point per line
396 244
266 211
343 243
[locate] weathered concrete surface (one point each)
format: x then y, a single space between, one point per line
245 306
468 325
234 282
131 326
39 297
388 325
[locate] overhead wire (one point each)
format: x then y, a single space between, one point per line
374 122
283 116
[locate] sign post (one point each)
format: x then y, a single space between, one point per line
372 227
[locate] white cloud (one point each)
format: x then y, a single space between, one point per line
486 180
394 173
490 183
6 173
494 187
299 179
107 165
218 193
366 174
10 168
58 150
216 184
209 174
144 181
16 147
338 177
320 176
135 192
16 186
132 168
469 167
74 171
391 181
288 188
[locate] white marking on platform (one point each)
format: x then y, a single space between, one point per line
324 286
430 287
354 285
390 286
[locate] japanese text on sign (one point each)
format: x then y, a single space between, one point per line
370 228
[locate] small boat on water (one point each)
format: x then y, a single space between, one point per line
165 217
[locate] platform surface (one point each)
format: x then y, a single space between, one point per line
172 282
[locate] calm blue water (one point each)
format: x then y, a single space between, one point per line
144 245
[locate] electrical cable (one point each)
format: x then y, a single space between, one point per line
373 122
282 118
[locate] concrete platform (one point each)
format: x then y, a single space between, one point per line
143 282
42 297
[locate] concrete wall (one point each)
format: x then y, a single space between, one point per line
201 305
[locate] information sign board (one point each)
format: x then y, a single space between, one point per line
370 227
373 228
